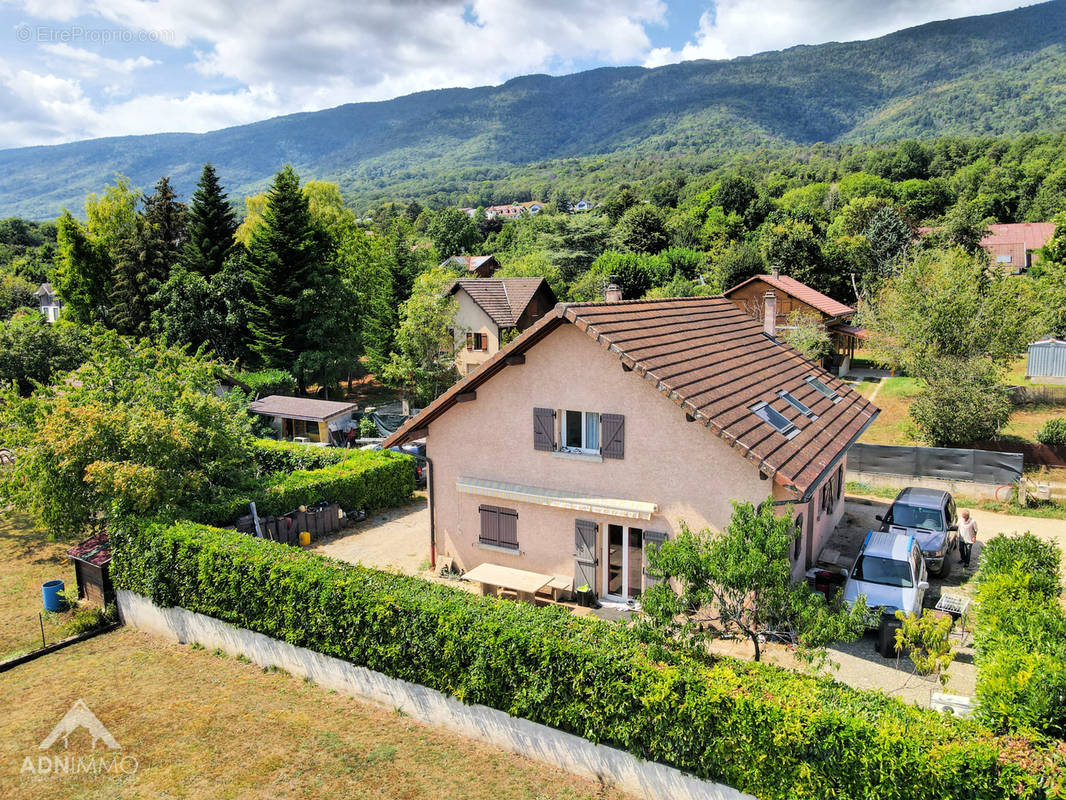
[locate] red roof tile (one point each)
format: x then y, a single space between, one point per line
715 362
1031 235
801 291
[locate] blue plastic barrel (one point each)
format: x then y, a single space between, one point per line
50 592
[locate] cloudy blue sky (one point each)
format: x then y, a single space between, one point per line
76 69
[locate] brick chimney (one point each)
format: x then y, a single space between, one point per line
769 314
614 291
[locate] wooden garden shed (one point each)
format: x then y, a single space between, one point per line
92 559
304 418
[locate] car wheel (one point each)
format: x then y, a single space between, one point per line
945 567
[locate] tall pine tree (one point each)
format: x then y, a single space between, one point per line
286 257
212 224
145 260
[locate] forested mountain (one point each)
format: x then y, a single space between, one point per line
989 75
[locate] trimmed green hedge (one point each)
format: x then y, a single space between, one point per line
1021 636
361 479
271 455
770 732
269 381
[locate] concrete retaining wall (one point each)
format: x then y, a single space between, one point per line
642 778
965 490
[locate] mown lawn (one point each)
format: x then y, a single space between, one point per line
28 558
205 725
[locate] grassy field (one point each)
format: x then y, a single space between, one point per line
28 558
893 426
204 725
893 397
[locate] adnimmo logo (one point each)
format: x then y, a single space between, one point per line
104 760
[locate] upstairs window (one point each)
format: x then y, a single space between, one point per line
822 388
774 419
581 431
796 404
477 341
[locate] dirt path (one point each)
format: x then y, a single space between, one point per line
396 539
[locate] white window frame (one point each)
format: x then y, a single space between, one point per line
584 448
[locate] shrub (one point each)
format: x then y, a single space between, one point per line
273 456
766 731
1053 432
1021 637
268 381
1027 553
362 479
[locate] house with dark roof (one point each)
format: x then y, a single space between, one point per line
305 419
490 310
787 295
475 266
603 428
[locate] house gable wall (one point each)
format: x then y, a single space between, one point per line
471 317
752 296
684 468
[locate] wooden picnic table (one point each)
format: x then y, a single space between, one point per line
524 582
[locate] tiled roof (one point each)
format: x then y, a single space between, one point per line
714 362
801 291
503 299
470 262
95 550
1031 235
304 408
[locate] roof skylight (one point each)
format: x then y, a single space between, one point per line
774 419
823 388
788 397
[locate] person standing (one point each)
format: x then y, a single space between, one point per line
967 536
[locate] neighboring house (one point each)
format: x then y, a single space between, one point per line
514 210
51 305
594 435
489 308
1013 246
582 205
304 418
476 266
791 295
470 212
1046 362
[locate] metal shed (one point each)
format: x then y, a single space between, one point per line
1047 361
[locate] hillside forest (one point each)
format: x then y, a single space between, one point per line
295 280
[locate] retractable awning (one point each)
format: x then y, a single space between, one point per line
557 498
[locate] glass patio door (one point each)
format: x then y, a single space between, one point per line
623 562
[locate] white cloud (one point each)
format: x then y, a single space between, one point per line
295 55
743 27
94 64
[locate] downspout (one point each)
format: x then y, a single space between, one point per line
431 479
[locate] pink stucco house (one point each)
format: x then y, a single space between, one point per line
591 437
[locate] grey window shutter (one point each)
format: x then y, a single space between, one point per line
584 554
490 524
507 520
612 435
543 429
652 541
